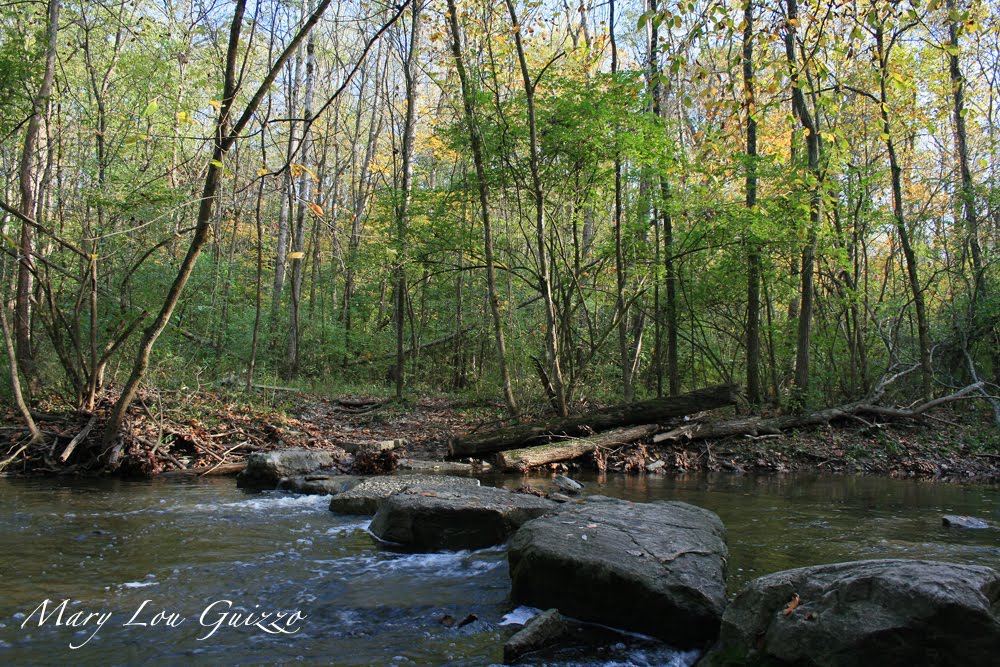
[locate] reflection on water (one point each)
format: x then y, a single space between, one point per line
777 522
109 546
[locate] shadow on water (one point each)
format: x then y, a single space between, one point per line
109 546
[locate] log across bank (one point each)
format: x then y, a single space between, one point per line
633 414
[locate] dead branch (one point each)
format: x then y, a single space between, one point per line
77 439
759 426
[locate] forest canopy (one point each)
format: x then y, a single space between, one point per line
534 202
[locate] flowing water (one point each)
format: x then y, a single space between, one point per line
201 572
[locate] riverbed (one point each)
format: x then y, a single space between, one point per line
201 572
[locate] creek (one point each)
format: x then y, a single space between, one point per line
200 572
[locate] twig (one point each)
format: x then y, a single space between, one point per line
12 457
223 460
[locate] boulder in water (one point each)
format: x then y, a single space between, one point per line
265 469
655 568
367 496
318 484
971 522
433 517
891 613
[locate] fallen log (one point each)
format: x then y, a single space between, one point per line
631 414
529 457
759 426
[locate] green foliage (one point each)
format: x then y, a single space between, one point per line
22 46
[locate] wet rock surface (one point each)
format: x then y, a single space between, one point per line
419 465
970 522
541 631
266 469
877 612
367 496
318 484
436 517
655 568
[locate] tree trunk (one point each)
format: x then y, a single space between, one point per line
304 195
523 459
544 278
923 330
410 73
15 381
810 123
630 414
753 248
476 144
286 203
25 268
968 195
621 305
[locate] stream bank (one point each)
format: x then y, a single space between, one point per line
213 432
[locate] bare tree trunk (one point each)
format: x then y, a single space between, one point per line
476 143
410 73
26 267
304 194
657 410
753 248
566 450
968 195
810 124
258 306
923 330
621 306
286 205
673 358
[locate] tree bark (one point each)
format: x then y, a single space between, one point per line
631 414
25 268
909 254
304 195
810 123
410 73
523 459
968 195
753 248
621 305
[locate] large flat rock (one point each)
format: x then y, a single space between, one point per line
368 496
891 613
433 517
266 469
655 568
